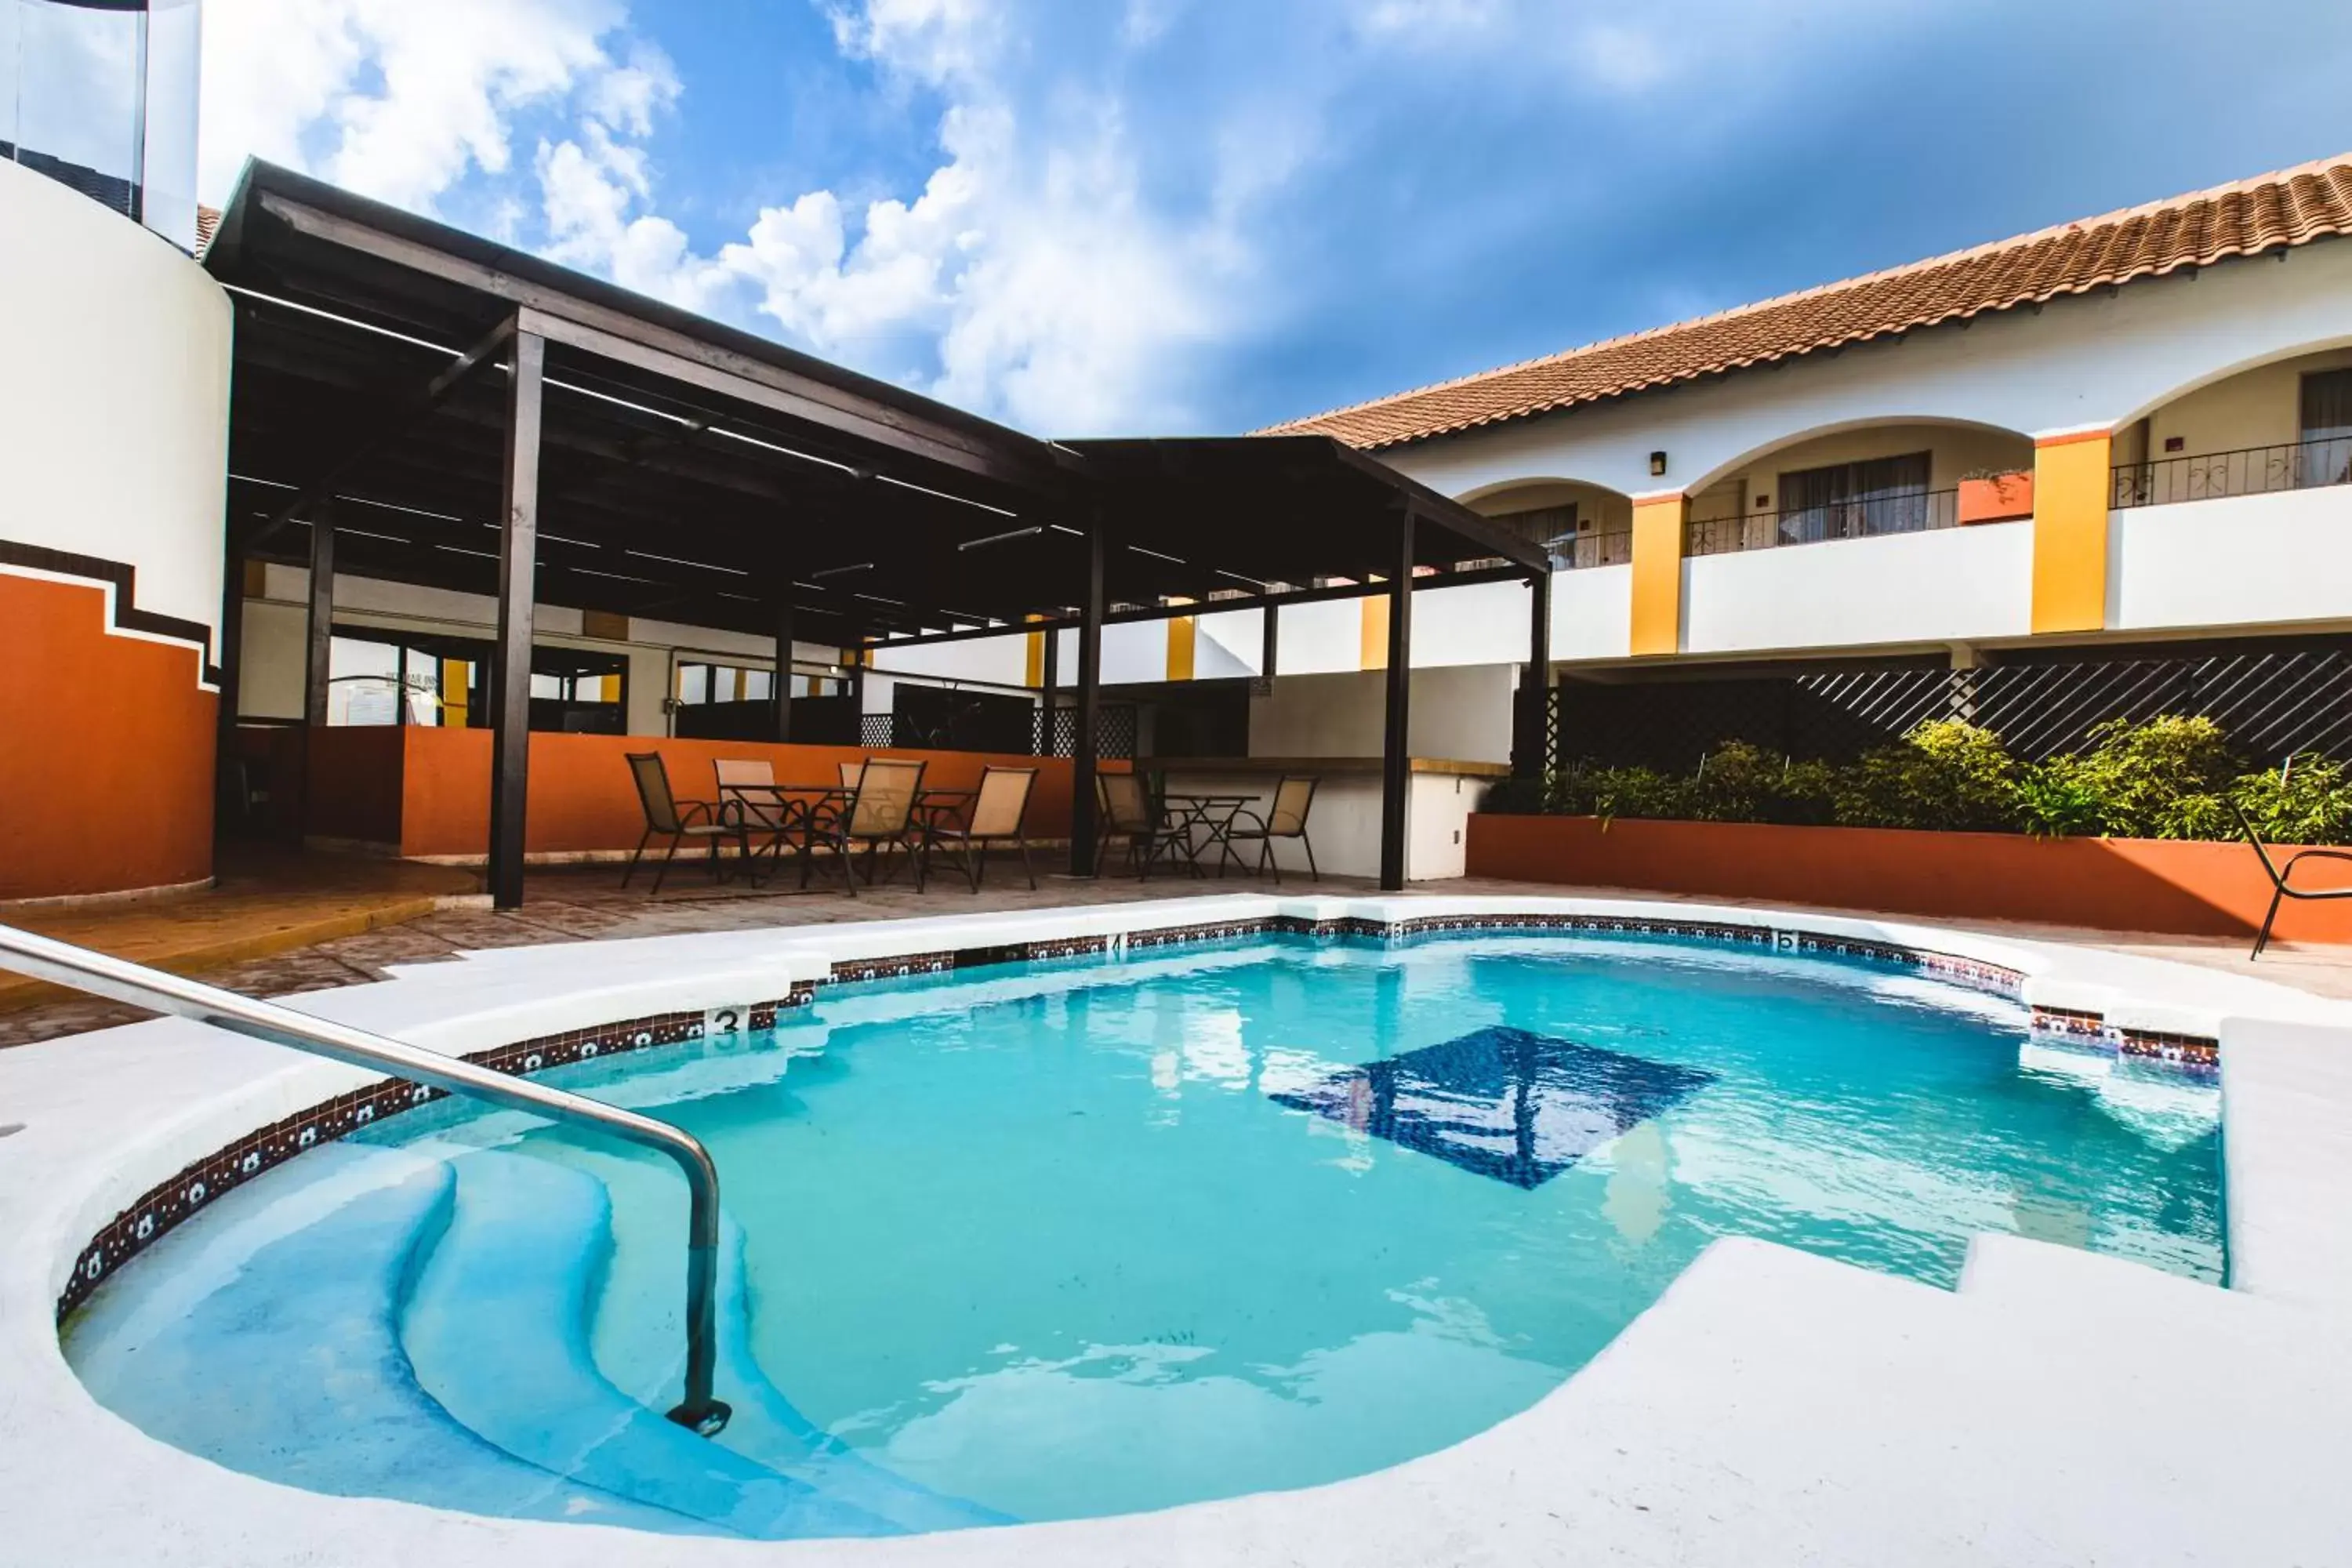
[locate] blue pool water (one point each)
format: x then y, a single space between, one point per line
1047 1241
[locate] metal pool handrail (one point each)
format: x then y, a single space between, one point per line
122 981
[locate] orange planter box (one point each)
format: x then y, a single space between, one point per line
2109 884
2005 498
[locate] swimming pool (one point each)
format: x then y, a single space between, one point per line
1050 1240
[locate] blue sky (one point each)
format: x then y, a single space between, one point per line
1092 217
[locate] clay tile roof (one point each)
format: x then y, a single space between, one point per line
2269 212
207 225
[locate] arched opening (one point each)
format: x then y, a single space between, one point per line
2285 424
1854 481
1579 524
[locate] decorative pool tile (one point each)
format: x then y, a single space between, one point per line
1501 1102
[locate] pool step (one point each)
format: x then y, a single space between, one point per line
638 1344
498 1332
265 1339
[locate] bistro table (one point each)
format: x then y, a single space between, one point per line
1213 816
787 804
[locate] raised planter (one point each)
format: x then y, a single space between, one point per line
2002 498
2110 884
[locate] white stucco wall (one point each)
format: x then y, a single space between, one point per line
1591 612
2239 559
1461 714
113 396
1321 637
1950 585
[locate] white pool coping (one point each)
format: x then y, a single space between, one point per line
1772 1407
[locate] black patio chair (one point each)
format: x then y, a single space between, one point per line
2280 889
679 820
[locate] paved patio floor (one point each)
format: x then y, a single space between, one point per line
584 903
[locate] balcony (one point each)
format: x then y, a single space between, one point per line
2248 471
1865 516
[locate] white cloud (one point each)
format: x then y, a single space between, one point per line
401 99
1027 279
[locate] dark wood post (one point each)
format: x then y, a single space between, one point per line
518 571
319 629
1396 756
783 688
1530 740
1083 828
1269 642
1051 676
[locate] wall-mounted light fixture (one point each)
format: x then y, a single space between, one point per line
1658 465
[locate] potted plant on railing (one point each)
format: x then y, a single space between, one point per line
1995 495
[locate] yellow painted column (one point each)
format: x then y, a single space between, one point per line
1181 632
1657 618
2072 486
1372 650
1035 672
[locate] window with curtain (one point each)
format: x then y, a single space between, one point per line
1849 500
2326 453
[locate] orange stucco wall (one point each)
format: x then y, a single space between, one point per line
581 798
105 750
2111 884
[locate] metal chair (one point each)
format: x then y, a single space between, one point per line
998 811
1286 818
878 815
2280 891
748 798
680 820
1128 813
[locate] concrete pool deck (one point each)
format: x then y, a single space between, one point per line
1772 1407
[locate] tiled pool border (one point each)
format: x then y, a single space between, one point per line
162 1207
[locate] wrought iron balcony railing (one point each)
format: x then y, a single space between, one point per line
2248 471
1865 519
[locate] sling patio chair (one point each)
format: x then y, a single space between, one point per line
748 798
878 816
998 810
2279 876
1287 818
1129 812
679 820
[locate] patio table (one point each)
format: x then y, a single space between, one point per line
1213 816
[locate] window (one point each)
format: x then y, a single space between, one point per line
2326 455
100 95
376 676
1571 534
1850 500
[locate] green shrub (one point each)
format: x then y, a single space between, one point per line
1736 783
2161 778
2309 801
2054 801
1947 774
2167 777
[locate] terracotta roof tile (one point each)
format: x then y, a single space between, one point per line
207 225
2291 207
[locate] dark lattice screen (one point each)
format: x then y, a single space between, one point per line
1113 730
2272 703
